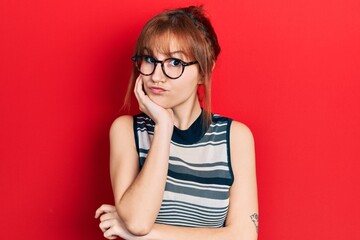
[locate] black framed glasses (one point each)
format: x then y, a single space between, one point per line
173 68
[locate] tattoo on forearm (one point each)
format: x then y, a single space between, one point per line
255 219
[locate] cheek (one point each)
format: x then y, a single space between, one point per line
192 76
145 79
185 91
164 102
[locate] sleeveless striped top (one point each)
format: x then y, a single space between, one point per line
199 173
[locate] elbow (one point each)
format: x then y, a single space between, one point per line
138 228
134 223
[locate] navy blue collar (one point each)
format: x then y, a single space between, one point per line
191 135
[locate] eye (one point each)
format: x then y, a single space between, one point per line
175 62
149 59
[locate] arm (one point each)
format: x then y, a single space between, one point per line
241 222
243 197
138 195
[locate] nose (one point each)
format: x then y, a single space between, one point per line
158 75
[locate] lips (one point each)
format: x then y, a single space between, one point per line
157 90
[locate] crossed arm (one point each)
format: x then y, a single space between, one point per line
134 217
138 194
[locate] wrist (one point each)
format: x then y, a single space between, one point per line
164 129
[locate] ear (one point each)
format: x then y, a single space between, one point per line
201 79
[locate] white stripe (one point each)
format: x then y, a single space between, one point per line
170 208
206 202
199 207
187 216
143 117
209 154
208 143
142 127
218 124
215 133
190 215
211 168
215 186
200 188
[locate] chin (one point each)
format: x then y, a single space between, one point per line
161 102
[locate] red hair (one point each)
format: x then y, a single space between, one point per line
194 32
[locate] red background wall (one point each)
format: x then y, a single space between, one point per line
290 70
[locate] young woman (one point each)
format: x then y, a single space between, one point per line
177 170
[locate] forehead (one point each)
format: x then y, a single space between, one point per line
167 44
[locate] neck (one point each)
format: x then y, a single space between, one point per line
184 116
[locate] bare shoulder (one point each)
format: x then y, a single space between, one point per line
122 135
240 133
121 125
242 149
122 142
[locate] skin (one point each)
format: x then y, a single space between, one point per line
138 195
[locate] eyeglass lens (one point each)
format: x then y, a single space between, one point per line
172 67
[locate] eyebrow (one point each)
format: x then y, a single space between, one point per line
174 52
182 53
170 54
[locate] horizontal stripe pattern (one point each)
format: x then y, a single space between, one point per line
199 175
177 213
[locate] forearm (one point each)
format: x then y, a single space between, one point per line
140 204
166 232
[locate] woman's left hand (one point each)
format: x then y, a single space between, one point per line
111 224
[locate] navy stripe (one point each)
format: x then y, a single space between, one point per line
198 185
194 206
215 180
199 145
185 213
228 150
146 130
177 159
189 221
189 224
202 174
221 195
193 173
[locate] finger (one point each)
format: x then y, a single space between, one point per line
110 234
139 87
105 225
105 208
136 87
140 95
107 216
136 91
